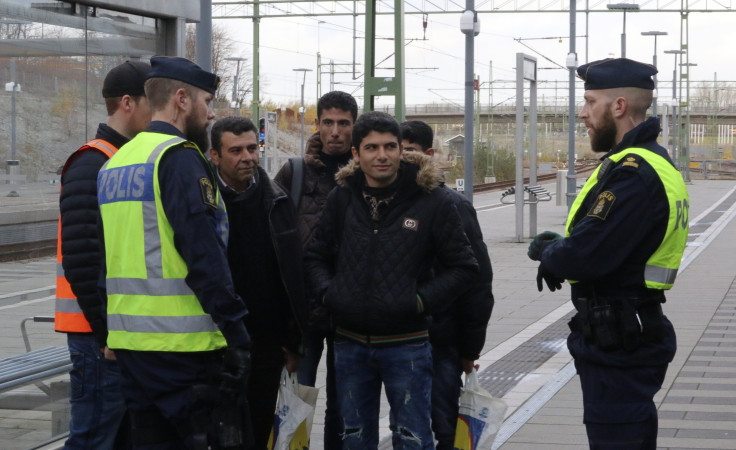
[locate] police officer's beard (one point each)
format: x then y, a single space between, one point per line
604 137
197 134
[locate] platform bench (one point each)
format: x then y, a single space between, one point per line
34 365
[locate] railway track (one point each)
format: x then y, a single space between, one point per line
500 185
38 238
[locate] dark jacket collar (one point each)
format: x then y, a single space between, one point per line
158 126
272 191
639 136
109 134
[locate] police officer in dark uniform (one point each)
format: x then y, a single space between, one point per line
624 238
174 319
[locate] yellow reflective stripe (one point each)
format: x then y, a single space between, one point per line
160 324
67 305
148 287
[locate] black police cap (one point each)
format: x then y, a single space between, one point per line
126 79
616 73
182 69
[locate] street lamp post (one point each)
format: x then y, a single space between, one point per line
319 63
301 109
654 61
623 7
675 117
685 141
236 103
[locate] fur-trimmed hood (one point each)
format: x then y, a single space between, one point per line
312 149
428 178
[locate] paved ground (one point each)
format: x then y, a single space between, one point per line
525 360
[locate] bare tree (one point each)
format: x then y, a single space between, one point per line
223 47
15 30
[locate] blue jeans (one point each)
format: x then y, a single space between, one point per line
446 384
406 373
97 405
307 375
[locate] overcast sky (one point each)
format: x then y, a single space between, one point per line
435 66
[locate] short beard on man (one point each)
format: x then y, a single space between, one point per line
197 134
604 137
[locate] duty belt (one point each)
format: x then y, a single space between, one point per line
618 323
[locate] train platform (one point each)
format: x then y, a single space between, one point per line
525 359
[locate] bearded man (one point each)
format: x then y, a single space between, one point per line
624 238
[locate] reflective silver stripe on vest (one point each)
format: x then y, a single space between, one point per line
60 270
163 146
660 274
152 240
151 235
152 287
68 305
103 145
160 324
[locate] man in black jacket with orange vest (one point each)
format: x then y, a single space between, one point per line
97 406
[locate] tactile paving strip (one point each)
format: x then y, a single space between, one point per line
501 376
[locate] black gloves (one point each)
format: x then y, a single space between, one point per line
553 283
540 242
235 370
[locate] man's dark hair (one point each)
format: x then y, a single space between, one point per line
113 103
235 125
374 121
340 100
417 132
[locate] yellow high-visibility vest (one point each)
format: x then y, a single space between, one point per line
149 305
661 267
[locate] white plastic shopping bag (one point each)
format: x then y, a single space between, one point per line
294 413
480 416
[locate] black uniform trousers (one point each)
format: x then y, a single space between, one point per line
619 411
157 387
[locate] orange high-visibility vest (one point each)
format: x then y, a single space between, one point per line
69 317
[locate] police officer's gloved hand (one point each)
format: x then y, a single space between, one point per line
235 370
553 283
540 242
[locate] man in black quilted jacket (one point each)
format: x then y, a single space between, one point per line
458 330
371 264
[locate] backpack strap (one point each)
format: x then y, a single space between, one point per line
297 179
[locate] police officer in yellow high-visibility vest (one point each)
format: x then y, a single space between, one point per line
624 238
171 308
